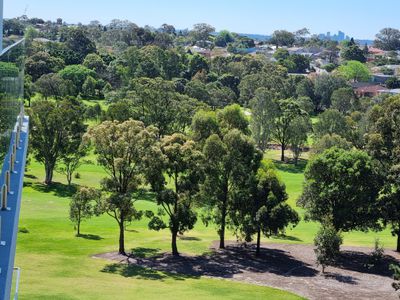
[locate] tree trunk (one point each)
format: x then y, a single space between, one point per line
173 244
223 224
121 239
49 174
283 153
69 178
398 242
258 241
79 228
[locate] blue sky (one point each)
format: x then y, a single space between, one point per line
358 18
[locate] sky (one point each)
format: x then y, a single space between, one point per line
358 18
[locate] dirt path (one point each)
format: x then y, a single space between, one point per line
288 267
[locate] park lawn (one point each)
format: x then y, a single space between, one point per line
57 265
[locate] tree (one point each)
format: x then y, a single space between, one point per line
288 111
53 85
354 71
230 164
82 207
342 186
351 51
329 141
204 124
42 63
300 127
343 100
327 243
264 108
331 122
94 62
383 143
223 38
71 160
77 41
197 63
89 87
232 117
282 38
77 74
57 130
130 154
183 166
267 212
201 33
388 39
325 85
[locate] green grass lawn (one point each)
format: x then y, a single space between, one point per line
57 265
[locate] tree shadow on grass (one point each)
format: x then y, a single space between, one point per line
291 167
57 188
141 252
135 271
93 237
189 238
227 263
30 176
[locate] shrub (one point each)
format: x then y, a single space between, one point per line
327 243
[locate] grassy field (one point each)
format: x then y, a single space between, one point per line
57 265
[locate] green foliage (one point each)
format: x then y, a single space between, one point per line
129 153
77 75
388 39
233 117
82 206
204 124
351 51
327 243
342 186
57 130
282 38
329 141
355 71
42 63
344 100
325 85
331 122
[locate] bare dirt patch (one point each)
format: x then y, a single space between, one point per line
288 267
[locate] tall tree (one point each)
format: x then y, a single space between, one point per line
282 38
183 166
388 39
342 186
57 130
230 164
354 71
129 152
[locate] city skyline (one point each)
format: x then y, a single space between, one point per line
261 17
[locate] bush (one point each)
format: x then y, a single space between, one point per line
376 255
23 230
327 243
77 175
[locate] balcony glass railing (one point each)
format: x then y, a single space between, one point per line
11 92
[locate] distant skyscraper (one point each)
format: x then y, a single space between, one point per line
341 36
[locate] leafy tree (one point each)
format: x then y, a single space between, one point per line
204 124
351 51
298 133
201 33
53 85
89 87
42 63
327 243
282 38
342 186
130 154
388 39
198 90
267 212
197 63
343 100
325 85
82 207
329 141
71 160
223 38
281 54
355 71
77 41
331 122
232 117
57 130
183 164
383 143
288 111
230 164
94 62
77 74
